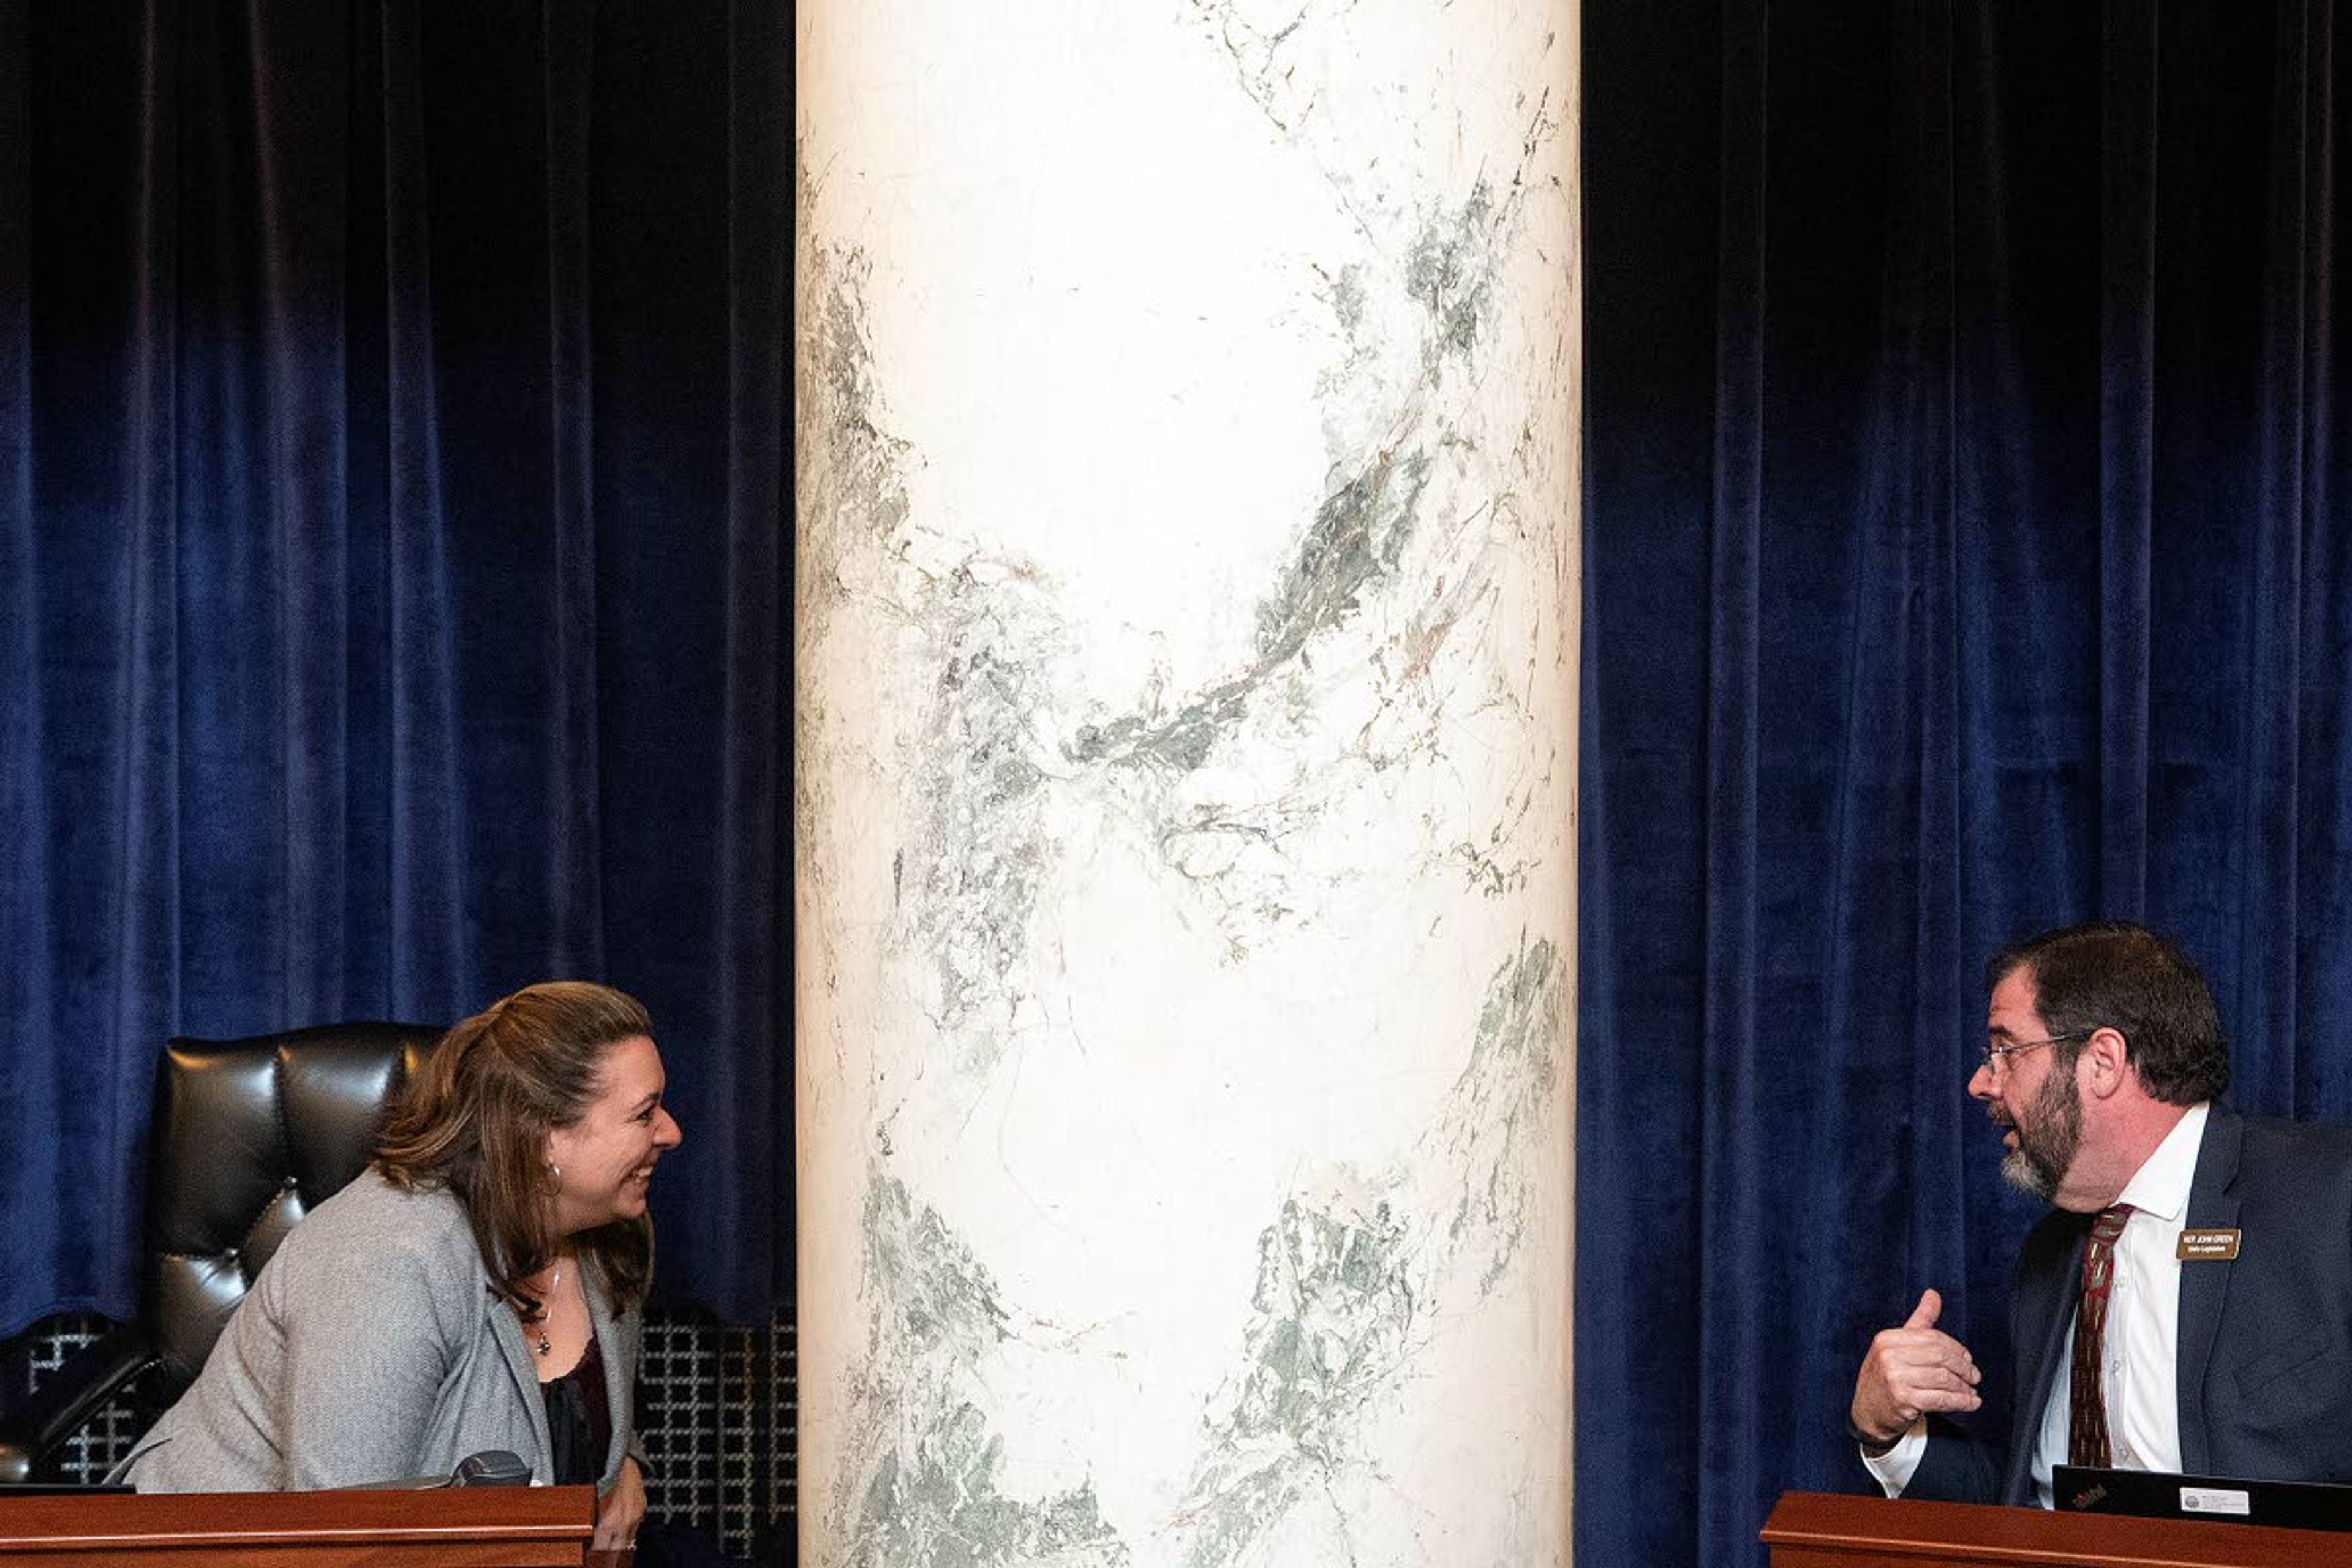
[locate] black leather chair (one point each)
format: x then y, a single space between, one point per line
248 1136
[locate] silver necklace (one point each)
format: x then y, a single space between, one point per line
546 1346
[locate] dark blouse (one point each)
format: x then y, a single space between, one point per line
579 1420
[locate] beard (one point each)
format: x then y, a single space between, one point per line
2048 1134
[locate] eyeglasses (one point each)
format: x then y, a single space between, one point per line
1995 1056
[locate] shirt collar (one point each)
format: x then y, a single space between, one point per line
2160 1186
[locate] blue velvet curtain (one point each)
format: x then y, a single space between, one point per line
393 563
1965 555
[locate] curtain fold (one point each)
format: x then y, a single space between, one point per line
1962 558
391 497
1730 1233
2130 132
568 34
748 901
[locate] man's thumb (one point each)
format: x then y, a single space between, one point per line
1924 1315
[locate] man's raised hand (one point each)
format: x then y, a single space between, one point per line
1909 1371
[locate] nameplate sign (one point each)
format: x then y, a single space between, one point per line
2207 1245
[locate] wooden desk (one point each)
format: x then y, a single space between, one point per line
466 1526
1812 1529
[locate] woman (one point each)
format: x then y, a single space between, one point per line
478 1287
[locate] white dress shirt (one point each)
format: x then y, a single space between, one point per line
2139 1371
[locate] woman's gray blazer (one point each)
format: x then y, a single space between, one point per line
371 1349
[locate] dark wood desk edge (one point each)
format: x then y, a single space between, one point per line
198 1521
1978 1532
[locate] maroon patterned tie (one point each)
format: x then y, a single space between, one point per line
2086 1427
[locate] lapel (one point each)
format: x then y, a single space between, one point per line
2212 1205
507 1328
600 1320
2046 1300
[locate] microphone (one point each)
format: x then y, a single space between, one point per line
490 1468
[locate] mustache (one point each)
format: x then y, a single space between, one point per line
1999 1117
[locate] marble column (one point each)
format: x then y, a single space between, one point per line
1187 461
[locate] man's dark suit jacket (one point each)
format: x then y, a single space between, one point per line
2265 1350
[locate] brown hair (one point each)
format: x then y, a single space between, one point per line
475 1119
2114 974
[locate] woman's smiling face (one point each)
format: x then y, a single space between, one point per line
605 1160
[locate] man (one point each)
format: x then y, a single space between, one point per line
2187 1305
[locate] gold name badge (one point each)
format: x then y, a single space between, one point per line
2207 1243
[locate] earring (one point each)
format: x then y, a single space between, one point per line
554 1176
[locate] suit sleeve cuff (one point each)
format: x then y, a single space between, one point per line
1896 1467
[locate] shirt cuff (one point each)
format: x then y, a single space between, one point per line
1896 1467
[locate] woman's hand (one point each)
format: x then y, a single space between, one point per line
618 1514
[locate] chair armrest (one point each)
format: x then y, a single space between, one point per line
32 1430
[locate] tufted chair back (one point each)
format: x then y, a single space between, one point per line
249 1136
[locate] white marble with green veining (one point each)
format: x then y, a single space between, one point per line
1185 767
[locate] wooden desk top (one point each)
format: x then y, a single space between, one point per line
465 1527
1815 1529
